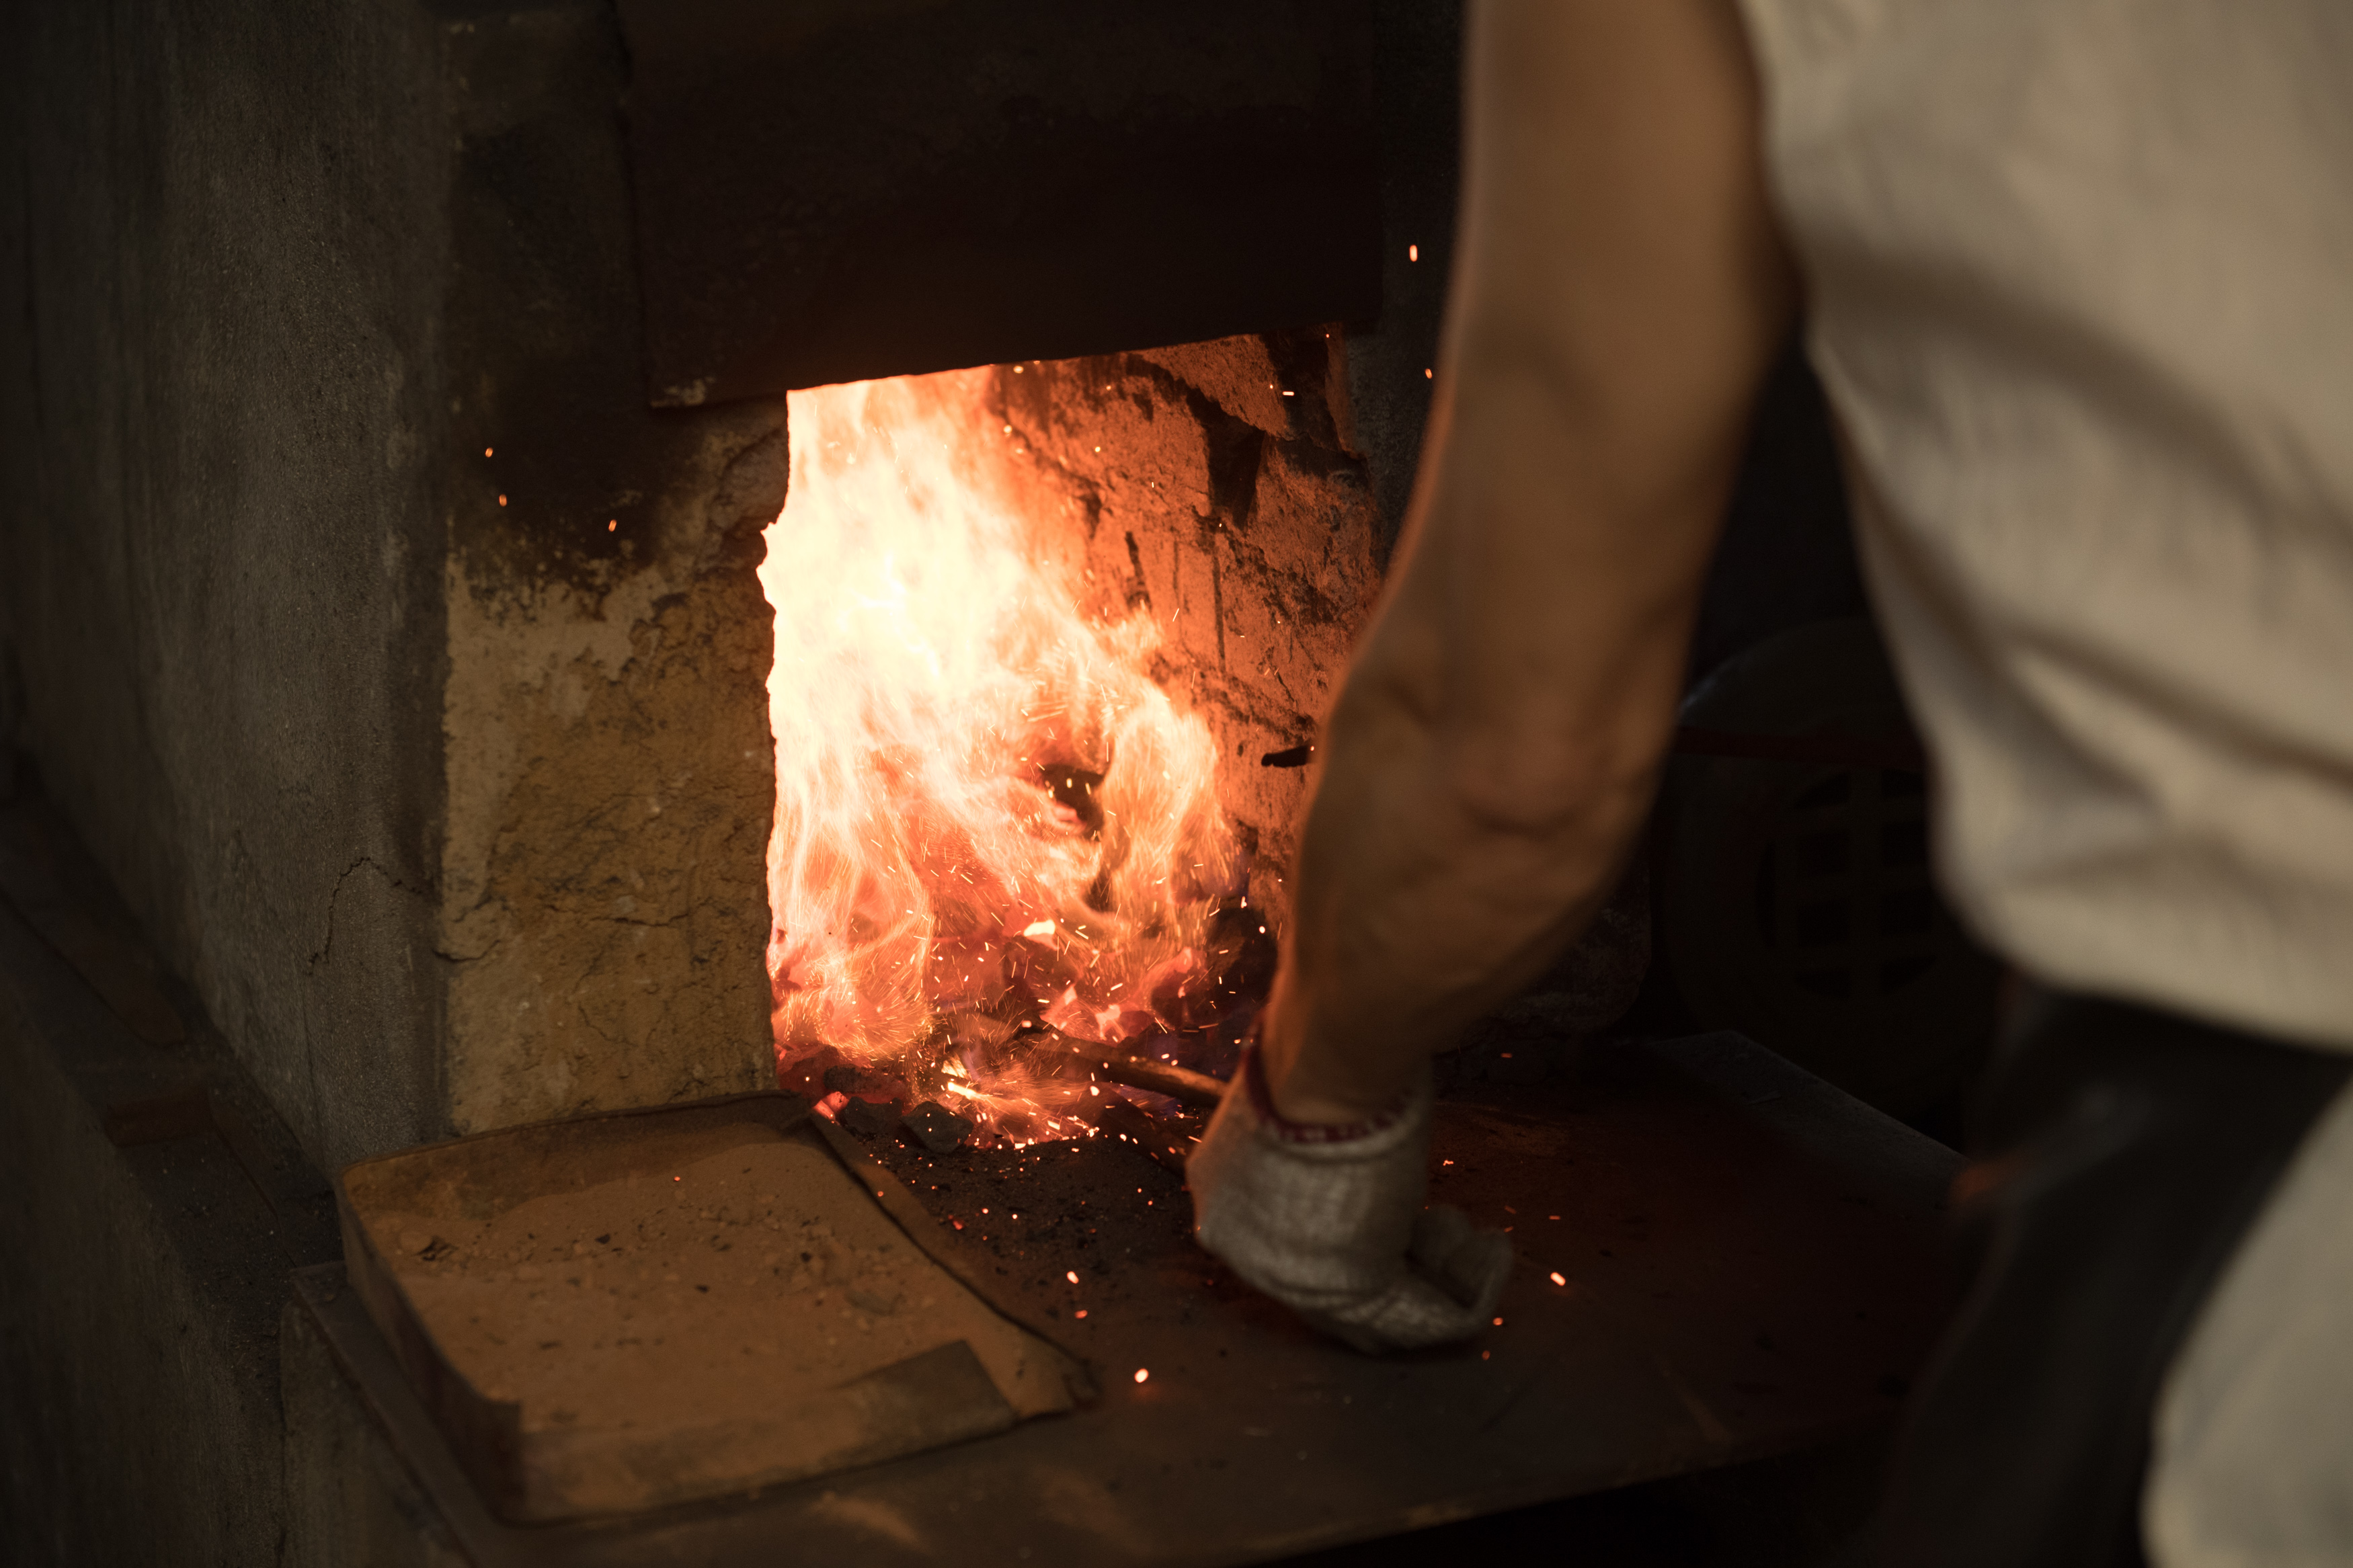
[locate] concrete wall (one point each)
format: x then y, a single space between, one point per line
373 756
221 574
139 1289
162 1401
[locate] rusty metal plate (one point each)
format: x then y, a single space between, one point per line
826 192
1748 1262
643 1357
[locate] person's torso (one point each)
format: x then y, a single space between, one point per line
2079 280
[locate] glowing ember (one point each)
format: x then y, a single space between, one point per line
989 817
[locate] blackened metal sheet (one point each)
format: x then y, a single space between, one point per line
1749 1263
831 191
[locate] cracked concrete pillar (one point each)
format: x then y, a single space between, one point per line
607 782
610 786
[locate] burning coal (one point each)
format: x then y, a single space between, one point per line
990 822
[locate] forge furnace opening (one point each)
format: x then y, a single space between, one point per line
1020 789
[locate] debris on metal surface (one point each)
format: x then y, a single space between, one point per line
637 1310
1720 1258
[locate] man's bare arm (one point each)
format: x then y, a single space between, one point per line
1618 292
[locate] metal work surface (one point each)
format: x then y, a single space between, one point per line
1749 1263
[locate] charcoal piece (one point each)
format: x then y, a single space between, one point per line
1034 970
1074 790
867 1118
931 1126
863 1083
1238 957
1240 954
1185 1000
805 1074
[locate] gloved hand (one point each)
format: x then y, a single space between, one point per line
1330 1222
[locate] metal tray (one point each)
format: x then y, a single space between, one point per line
1749 1262
674 1400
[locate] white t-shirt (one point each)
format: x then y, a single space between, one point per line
2081 292
2079 280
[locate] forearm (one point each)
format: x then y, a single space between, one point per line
1493 756
1419 912
1618 292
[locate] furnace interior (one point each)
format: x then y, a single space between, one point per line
1053 641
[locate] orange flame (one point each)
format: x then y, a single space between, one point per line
986 809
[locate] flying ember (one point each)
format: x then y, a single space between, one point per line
992 826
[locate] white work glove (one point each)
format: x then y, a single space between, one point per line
1329 1221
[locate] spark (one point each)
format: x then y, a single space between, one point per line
1143 1374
